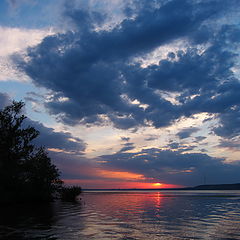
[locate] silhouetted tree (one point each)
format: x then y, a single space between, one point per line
70 193
26 172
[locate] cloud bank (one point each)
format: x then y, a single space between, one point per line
174 167
95 69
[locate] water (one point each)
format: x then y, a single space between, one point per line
128 215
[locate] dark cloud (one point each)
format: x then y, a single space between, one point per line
199 138
57 140
173 145
4 100
175 167
229 123
94 68
126 147
73 166
125 139
180 147
187 132
230 144
151 137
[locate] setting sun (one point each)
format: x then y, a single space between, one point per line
157 184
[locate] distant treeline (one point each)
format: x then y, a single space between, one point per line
235 186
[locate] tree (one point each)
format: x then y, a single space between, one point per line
69 194
26 172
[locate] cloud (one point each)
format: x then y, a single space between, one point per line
151 137
174 145
187 132
96 71
229 123
4 100
56 141
127 146
230 144
73 166
180 147
199 138
174 167
153 164
125 139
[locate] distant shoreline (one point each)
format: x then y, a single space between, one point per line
235 186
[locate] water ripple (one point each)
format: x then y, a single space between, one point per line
127 216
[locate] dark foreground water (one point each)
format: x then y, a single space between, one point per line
128 216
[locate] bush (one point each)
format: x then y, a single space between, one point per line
70 193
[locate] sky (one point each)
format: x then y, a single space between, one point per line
128 93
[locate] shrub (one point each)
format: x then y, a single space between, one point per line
70 193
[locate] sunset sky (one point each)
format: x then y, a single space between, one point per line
128 93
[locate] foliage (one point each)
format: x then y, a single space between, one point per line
26 172
70 193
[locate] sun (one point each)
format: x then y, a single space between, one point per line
157 184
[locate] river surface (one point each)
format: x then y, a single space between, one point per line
128 215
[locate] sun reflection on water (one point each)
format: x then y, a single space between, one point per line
158 200
128 215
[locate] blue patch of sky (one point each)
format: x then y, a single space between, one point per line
29 14
18 91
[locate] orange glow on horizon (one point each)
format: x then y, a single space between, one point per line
119 175
104 184
93 177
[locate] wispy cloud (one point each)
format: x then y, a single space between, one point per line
17 40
